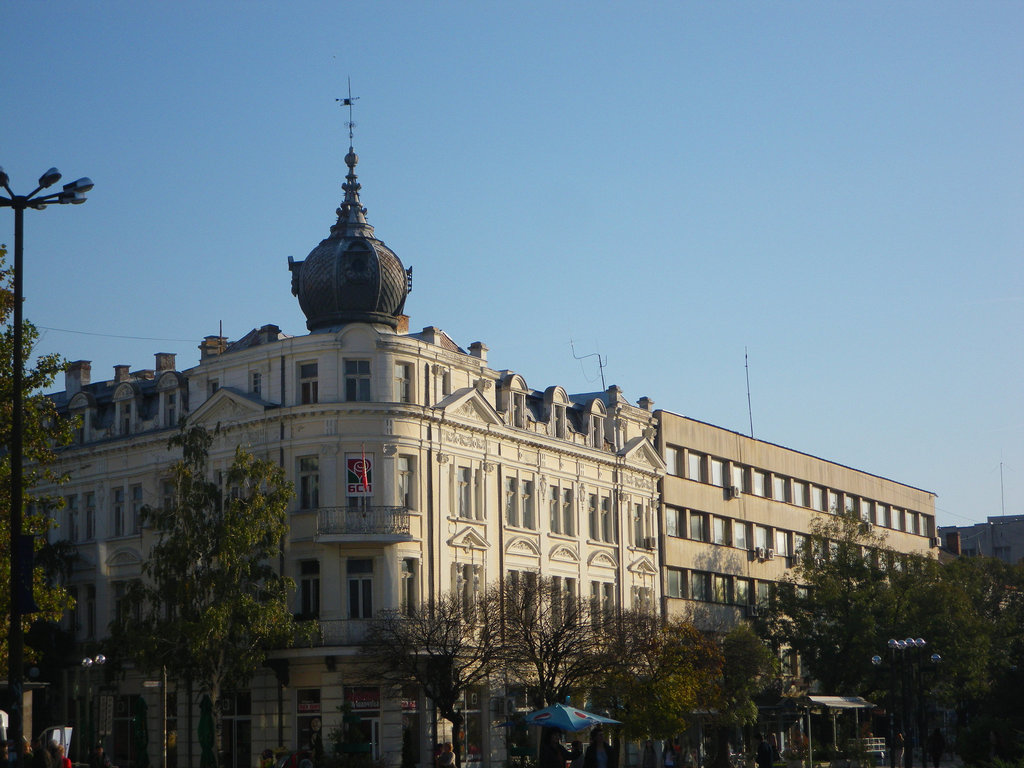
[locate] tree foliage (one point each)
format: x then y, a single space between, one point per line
664 672
43 434
210 603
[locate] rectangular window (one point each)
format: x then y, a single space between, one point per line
897 519
568 513
739 535
675 583
410 587
741 591
512 502
125 411
912 522
720 531
882 515
673 461
309 482
592 515
717 472
763 592
799 493
406 492
609 529
554 510
309 589
698 526
117 522
761 537
256 383
360 588
739 477
638 525
71 502
849 503
90 517
817 498
465 479
357 381
759 479
799 543
779 488
136 508
309 391
519 410
720 588
867 513
781 543
171 409
674 525
403 382
700 586
90 611
560 421
833 502
529 505
695 467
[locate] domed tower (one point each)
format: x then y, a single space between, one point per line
351 277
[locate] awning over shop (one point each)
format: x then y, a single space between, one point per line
841 702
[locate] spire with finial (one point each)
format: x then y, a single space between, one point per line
351 277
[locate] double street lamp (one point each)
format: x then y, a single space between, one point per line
914 733
89 716
21 546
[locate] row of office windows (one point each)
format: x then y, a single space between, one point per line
725 589
357 382
738 478
723 531
80 518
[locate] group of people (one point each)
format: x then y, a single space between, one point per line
598 754
37 755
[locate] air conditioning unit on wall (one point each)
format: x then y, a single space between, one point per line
759 551
770 554
733 492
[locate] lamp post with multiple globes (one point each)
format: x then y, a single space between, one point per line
21 546
905 658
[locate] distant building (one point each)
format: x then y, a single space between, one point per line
1001 537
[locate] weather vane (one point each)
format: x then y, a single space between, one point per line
348 102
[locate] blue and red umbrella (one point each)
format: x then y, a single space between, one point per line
566 718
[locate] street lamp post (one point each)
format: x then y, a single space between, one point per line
88 664
21 545
912 728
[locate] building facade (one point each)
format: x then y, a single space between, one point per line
418 469
1000 536
737 510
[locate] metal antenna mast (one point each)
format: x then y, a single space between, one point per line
750 411
600 363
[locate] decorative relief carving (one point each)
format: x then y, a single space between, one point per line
467 410
390 449
640 482
468 441
542 487
329 449
488 466
442 458
622 495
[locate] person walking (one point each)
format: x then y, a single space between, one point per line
936 746
447 757
763 757
600 754
553 754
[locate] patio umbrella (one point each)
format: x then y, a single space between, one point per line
141 733
207 758
566 718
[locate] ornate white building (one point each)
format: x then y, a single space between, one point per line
418 469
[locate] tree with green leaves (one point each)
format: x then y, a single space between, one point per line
210 603
664 672
447 647
44 433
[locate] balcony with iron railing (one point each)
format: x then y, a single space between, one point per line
371 524
328 633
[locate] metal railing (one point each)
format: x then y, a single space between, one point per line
320 633
362 521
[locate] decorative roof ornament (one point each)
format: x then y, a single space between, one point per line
351 276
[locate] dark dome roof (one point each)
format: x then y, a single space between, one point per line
351 276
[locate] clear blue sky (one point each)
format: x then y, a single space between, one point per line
835 187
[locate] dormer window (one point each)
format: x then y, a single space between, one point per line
170 409
519 409
560 420
596 430
124 417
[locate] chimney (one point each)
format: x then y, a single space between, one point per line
269 333
212 346
478 349
164 361
403 324
121 373
646 403
77 376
